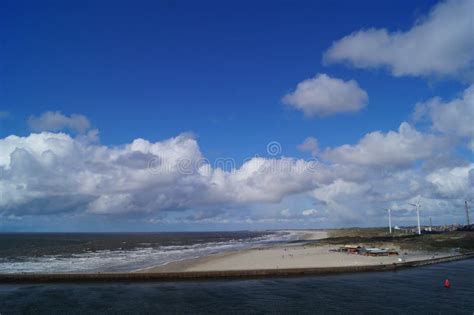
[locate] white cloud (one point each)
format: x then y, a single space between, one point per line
310 144
453 118
391 149
453 182
56 121
361 203
309 212
52 172
442 43
324 96
345 200
56 174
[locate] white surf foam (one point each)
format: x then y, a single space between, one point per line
129 260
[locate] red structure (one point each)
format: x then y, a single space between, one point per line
447 285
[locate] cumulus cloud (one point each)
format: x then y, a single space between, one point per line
344 198
53 172
324 96
440 44
454 118
56 121
309 212
357 203
452 182
394 148
56 174
310 144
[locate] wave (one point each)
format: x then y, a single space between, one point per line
138 258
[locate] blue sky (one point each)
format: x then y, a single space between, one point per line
220 70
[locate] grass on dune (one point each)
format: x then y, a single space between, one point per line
462 240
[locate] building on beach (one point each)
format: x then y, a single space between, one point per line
366 251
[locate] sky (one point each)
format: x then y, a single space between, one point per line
226 115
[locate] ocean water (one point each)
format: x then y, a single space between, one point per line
113 252
412 291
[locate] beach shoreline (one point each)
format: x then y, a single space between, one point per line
183 265
216 275
293 258
305 253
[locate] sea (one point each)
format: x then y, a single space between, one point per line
121 252
410 291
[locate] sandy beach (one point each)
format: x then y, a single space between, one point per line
287 256
301 257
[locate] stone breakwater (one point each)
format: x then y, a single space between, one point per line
229 274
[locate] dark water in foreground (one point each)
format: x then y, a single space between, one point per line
413 291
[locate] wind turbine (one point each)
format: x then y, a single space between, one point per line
417 206
389 219
467 212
